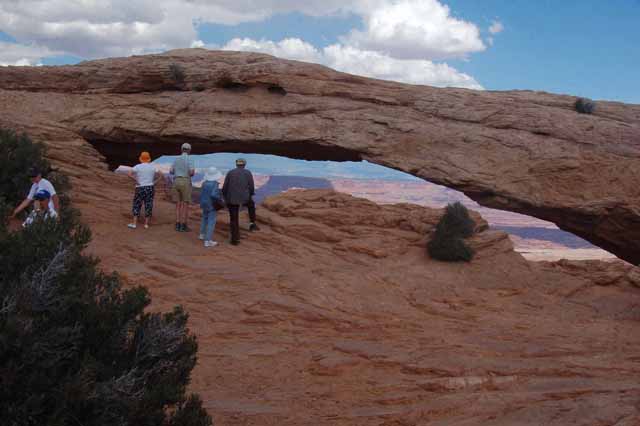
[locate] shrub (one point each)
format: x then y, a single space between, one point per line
17 154
176 72
77 348
585 106
448 241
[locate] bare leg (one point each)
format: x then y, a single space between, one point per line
186 214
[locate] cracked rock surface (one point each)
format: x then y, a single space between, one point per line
528 152
332 314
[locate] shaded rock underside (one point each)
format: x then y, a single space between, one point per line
527 152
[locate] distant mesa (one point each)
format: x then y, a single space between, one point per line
278 184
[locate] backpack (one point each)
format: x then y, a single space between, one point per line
217 199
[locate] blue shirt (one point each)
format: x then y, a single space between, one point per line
209 188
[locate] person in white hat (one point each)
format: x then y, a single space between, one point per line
182 170
210 200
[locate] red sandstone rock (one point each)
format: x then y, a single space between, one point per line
333 314
528 152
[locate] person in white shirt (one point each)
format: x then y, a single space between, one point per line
146 177
42 197
39 183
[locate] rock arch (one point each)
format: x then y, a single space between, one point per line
528 152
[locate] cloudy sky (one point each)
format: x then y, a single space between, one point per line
587 48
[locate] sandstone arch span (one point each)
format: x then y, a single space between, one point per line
527 152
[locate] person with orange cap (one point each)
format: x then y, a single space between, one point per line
145 176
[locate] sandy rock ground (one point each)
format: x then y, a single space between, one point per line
332 314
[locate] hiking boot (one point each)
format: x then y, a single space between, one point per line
185 228
253 227
210 243
235 242
178 227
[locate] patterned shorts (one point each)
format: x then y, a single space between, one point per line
144 194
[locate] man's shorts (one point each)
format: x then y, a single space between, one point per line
182 190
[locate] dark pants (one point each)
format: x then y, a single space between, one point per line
234 217
143 195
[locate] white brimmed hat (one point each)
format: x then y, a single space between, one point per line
212 174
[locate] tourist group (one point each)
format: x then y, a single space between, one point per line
237 191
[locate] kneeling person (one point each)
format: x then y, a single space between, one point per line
44 211
38 183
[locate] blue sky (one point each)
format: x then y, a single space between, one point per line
586 48
275 165
319 31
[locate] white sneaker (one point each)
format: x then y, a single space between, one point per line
132 226
210 243
201 237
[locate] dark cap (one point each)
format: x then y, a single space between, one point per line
34 171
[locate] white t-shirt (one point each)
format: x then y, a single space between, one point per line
145 172
46 185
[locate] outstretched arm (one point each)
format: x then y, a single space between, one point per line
23 205
132 174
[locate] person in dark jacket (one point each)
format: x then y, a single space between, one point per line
238 191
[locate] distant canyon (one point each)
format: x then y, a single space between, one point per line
535 239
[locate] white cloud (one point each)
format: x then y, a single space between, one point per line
289 48
496 27
406 29
399 39
21 54
416 29
93 29
378 65
366 63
